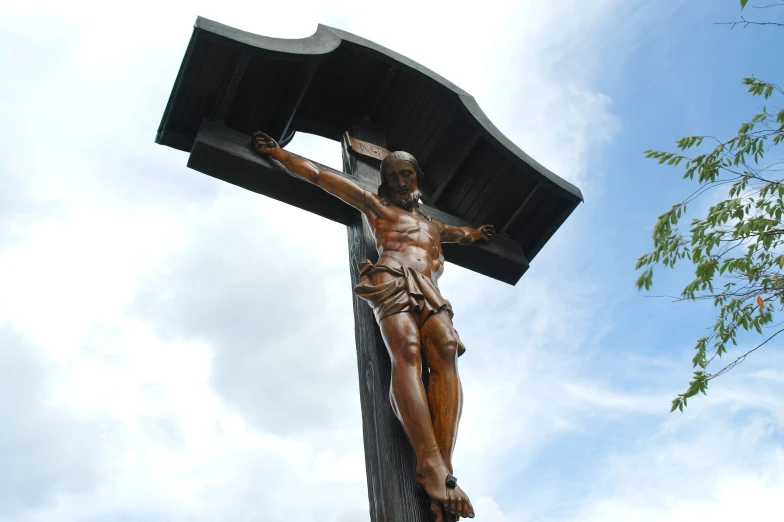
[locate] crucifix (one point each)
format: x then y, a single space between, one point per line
402 225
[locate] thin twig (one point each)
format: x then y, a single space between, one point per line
742 357
746 23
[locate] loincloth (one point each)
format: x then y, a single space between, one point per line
410 291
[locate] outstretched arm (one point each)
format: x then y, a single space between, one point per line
467 235
334 184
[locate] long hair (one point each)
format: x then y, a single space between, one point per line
383 189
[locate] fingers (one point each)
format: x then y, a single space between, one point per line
488 231
261 141
438 511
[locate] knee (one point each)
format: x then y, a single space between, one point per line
407 352
445 353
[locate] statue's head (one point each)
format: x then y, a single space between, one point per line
401 177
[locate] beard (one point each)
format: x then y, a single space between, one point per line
408 203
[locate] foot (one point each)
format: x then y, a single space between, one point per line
437 510
431 475
439 515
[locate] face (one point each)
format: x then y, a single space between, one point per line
401 178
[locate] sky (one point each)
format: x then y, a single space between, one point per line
169 351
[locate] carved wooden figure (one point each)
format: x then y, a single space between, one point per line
415 320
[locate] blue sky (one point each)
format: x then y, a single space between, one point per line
147 334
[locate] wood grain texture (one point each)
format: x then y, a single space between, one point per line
427 118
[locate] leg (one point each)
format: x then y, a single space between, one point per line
407 394
445 393
409 401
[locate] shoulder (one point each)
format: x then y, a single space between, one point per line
375 203
373 200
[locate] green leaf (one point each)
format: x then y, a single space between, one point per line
743 3
736 247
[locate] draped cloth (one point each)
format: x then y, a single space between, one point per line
409 291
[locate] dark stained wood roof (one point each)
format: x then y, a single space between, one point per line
319 85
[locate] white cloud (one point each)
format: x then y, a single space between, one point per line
719 474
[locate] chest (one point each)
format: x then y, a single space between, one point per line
400 223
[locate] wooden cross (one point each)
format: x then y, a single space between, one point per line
343 87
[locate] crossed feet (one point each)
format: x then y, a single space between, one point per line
431 475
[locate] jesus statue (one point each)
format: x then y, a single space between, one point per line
415 320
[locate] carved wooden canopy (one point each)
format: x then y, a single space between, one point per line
232 83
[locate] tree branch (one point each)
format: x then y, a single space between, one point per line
746 23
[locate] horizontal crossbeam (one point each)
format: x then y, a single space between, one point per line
226 154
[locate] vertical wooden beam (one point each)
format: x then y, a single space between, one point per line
389 459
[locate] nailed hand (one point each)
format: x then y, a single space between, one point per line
262 143
488 232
